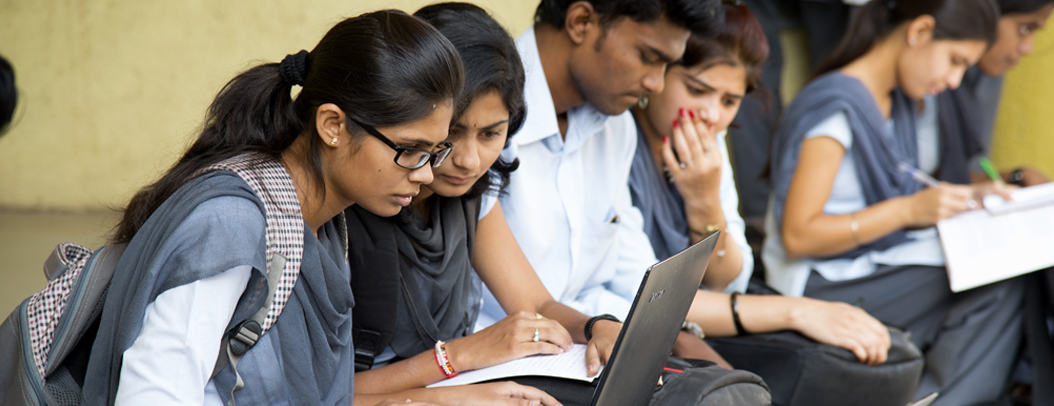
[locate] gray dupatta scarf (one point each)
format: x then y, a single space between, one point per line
308 351
436 294
658 201
875 150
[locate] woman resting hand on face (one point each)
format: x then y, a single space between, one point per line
454 236
683 184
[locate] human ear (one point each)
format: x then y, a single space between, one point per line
920 30
329 123
581 17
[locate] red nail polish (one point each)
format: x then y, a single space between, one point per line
676 124
664 139
681 110
691 114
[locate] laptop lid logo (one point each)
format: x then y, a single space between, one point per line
656 295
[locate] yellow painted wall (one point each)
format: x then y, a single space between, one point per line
112 91
1024 129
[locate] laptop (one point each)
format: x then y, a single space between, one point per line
650 329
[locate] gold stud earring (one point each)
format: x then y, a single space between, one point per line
643 103
334 141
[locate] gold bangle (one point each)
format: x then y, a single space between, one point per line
855 226
710 228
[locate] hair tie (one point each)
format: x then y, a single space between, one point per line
294 68
892 4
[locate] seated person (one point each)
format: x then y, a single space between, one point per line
683 185
965 116
846 225
454 225
195 264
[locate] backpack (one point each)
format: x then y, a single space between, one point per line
46 342
800 371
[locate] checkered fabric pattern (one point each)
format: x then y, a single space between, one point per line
271 182
45 309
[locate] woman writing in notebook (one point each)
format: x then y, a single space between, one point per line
845 224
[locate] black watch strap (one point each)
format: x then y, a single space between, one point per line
594 319
1017 177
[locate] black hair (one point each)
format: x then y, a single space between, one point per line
1021 6
702 17
955 20
382 68
491 64
741 41
8 94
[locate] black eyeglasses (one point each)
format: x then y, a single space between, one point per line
411 157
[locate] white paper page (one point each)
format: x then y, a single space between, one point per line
1023 199
569 365
982 248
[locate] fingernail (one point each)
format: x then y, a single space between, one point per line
664 139
676 124
681 110
691 114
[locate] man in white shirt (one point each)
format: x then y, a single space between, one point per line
569 204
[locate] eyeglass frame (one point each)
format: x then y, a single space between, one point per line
436 158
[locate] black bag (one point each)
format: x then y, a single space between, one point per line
800 371
686 382
703 383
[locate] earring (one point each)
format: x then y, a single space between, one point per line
912 41
333 142
643 103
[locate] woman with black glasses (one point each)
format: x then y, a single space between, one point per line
414 325
201 240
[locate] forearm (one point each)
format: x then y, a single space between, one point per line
825 235
412 373
440 396
722 269
758 313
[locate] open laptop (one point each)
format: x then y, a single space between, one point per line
650 329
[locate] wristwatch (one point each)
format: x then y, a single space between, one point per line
1017 177
693 328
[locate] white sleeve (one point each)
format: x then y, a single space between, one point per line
171 361
488 200
734 225
835 126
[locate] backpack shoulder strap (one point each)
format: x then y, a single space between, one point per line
272 183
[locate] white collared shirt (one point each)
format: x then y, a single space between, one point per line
569 203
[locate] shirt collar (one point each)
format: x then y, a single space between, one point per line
541 120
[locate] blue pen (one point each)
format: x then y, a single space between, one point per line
918 175
928 180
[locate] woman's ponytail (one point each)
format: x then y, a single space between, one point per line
382 68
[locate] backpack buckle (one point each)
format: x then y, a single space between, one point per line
244 337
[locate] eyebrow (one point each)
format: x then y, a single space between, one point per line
420 141
711 88
459 125
662 56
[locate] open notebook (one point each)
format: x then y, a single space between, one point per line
1005 240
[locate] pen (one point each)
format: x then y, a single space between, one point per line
927 180
918 175
989 169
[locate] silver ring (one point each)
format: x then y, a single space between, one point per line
684 165
536 336
971 203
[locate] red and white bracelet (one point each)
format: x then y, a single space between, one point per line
443 360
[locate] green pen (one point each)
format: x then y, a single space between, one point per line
989 169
